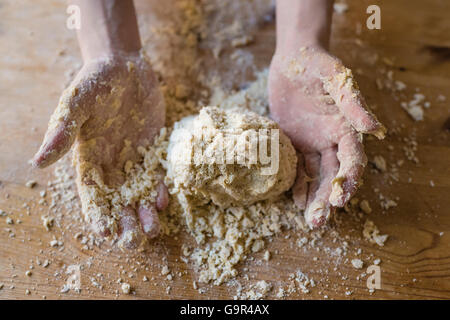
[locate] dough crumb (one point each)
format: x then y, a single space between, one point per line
372 234
257 291
380 163
340 7
357 263
126 288
365 207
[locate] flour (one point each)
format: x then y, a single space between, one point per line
225 231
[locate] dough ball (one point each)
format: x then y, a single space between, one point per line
206 161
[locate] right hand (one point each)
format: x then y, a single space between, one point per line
112 107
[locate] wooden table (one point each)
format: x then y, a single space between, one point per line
36 52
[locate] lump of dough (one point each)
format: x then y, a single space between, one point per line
197 171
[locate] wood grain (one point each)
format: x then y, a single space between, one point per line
37 50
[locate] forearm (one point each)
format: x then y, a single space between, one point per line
108 27
303 23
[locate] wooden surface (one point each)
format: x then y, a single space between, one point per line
36 52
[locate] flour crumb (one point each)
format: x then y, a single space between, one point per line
380 163
340 8
357 263
31 184
47 222
126 288
372 234
414 107
165 270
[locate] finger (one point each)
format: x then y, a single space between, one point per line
319 208
148 215
341 86
95 209
312 166
300 188
352 161
63 127
162 199
130 236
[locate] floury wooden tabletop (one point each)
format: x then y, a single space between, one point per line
409 57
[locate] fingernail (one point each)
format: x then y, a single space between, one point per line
130 235
317 214
101 228
162 200
149 221
151 230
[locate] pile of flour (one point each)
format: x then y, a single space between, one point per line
232 225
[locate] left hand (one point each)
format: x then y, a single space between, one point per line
317 103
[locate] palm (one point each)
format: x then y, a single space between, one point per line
315 101
112 107
128 112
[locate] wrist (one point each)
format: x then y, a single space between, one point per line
293 43
107 51
108 28
303 23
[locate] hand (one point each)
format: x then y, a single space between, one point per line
112 107
317 103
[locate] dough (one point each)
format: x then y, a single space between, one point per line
200 167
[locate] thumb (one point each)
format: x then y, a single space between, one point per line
63 127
